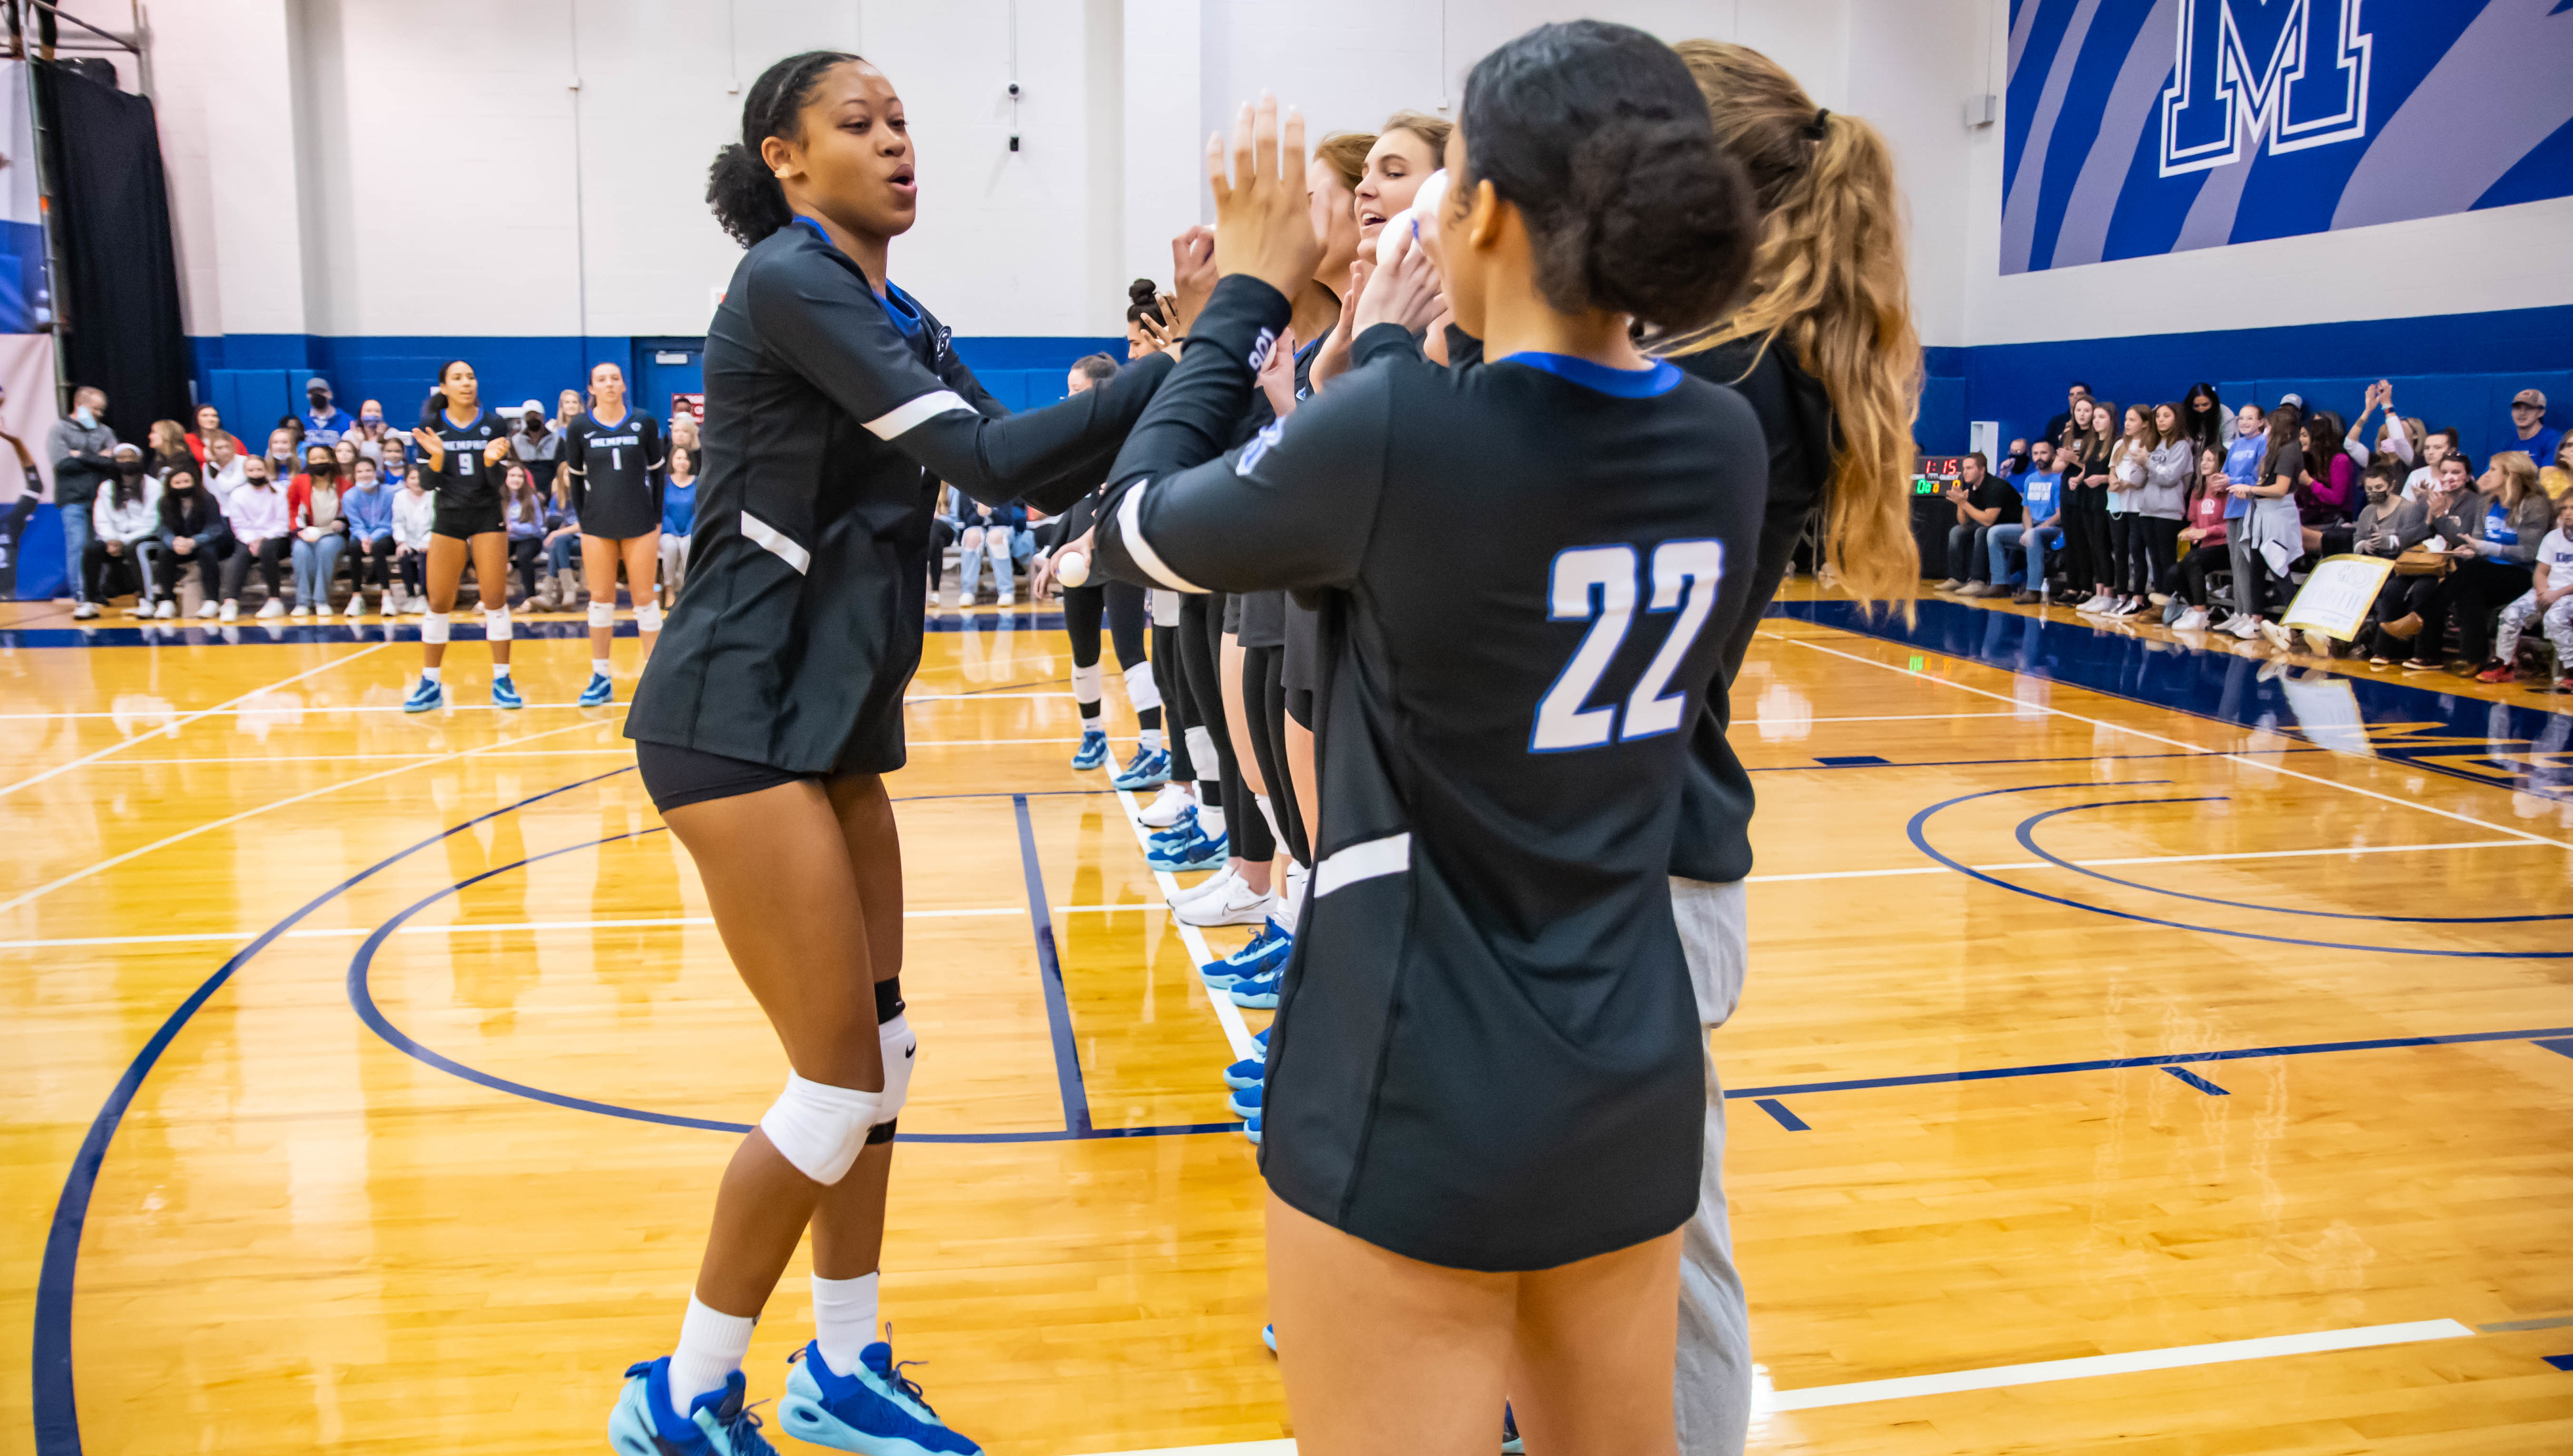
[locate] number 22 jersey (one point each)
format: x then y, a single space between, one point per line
1489 1055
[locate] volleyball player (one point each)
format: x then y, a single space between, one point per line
1504 753
1823 349
613 460
773 707
461 449
1121 603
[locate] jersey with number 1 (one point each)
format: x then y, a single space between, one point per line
1525 572
614 473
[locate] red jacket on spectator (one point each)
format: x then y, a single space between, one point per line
300 510
197 446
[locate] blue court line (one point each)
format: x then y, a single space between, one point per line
1826 764
2559 1048
1855 760
2120 1063
2560 1362
1786 1119
56 1409
2195 1081
1921 841
1067 1052
2027 840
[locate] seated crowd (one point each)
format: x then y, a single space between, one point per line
2206 519
330 498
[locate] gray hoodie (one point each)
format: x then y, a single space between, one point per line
76 482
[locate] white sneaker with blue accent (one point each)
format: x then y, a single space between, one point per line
874 1408
1150 768
505 694
599 693
717 1423
428 695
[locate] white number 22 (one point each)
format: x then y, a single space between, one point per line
1600 584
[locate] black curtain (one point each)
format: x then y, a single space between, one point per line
118 287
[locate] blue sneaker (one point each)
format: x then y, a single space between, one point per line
505 694
1258 994
1268 1338
1267 951
717 1423
1150 768
1246 1101
874 1408
1251 1130
1261 1043
599 693
426 696
1093 750
1250 1072
1185 827
1199 853
1511 1445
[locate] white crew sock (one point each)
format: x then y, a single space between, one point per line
844 1319
598 665
711 1346
1089 723
500 670
432 674
1150 738
1210 820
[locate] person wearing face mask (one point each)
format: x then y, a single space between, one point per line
194 535
370 433
369 510
281 455
321 529
257 514
84 455
125 519
324 421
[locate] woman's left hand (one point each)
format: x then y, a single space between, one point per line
1264 216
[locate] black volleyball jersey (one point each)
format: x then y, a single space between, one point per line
614 473
465 478
832 414
1487 994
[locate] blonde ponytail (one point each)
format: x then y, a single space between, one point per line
1828 280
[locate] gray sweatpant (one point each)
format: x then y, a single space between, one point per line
1711 1389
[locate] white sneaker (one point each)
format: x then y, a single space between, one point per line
1173 800
356 608
83 611
2243 628
206 610
2192 620
1238 905
165 610
272 608
2280 637
301 610
231 611
1215 883
1008 598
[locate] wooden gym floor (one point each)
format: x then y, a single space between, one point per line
2113 1002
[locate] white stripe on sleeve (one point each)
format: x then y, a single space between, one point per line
902 417
1130 523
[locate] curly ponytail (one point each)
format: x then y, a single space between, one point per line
741 189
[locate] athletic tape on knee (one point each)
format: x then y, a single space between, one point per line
1085 684
647 618
901 1055
1201 751
1141 694
819 1127
432 628
496 624
603 614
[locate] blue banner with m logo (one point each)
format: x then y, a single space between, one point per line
2136 127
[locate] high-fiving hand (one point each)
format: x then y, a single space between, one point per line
1263 217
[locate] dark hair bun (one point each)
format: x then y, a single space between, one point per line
1142 290
745 198
1601 137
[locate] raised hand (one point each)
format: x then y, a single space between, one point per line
1264 216
1405 291
1192 273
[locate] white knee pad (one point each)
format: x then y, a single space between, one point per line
901 1055
1202 756
496 624
820 1129
1085 684
432 628
603 614
1141 695
647 618
1166 607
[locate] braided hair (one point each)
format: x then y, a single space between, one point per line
741 189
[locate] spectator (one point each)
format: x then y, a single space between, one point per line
2528 427
2201 541
2072 399
293 424
683 426
2549 599
527 517
2171 468
2086 484
2493 564
2040 493
414 511
282 455
2243 456
2330 479
169 447
324 421
257 514
2454 513
2125 495
224 464
392 453
536 443
2270 526
2390 526
2437 445
680 515
1982 500
346 452
2204 421
2015 464
369 508
371 432
321 529
210 427
125 521
82 449
1000 534
560 589
193 534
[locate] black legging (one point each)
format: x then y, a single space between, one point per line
2187 580
2475 589
1263 693
2086 530
1201 649
1174 685
2405 596
1123 604
527 553
207 560
2151 541
269 555
372 563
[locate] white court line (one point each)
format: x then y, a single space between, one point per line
469 927
271 758
2371 848
2025 712
1997 1378
184 720
2239 758
1226 1015
230 819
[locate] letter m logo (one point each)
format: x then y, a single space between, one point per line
2292 71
